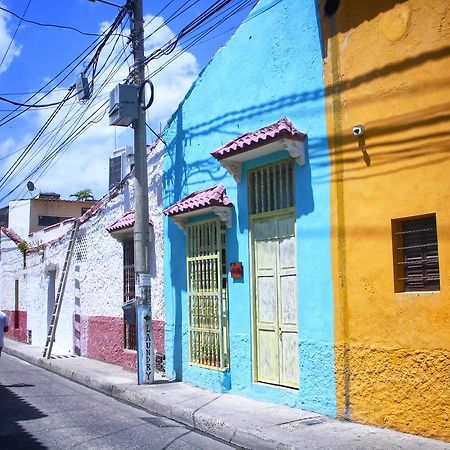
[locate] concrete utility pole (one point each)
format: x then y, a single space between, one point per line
141 225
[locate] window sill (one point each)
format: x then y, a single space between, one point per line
262 384
216 369
417 293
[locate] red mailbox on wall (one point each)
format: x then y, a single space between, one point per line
237 271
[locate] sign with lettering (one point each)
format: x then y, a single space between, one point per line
144 279
145 345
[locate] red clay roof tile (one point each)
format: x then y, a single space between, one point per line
124 222
214 196
253 139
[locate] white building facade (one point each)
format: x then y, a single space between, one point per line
100 278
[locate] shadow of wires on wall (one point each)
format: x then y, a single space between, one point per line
394 143
14 411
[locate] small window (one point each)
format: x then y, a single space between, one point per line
416 260
46 221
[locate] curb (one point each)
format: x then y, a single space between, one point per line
205 423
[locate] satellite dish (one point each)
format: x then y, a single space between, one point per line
30 186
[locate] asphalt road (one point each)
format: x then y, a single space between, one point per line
41 410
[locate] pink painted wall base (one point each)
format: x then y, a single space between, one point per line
102 338
17 325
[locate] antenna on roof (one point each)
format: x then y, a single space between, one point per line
30 186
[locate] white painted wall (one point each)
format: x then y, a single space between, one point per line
95 283
19 217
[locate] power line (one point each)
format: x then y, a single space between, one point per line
34 105
101 42
50 155
158 13
93 62
49 25
73 133
15 32
65 120
196 38
206 17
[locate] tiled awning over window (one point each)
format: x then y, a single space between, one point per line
212 200
281 135
124 223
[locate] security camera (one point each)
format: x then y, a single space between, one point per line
358 130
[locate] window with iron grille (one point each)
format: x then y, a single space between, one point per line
272 187
416 260
207 294
128 291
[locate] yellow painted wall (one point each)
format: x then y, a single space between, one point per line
387 66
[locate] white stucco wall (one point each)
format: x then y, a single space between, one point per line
95 282
19 216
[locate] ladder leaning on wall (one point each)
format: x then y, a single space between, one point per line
59 296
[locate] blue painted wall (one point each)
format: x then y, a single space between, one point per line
272 67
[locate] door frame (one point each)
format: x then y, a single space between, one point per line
286 212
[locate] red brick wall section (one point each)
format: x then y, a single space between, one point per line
105 340
17 325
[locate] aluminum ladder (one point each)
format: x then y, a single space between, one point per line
59 296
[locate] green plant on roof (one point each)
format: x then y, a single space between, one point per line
83 195
22 246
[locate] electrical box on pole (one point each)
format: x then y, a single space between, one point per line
83 89
123 105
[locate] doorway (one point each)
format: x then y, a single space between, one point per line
274 275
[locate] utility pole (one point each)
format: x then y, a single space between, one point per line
141 224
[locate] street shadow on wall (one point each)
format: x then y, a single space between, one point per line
395 143
360 13
177 177
14 411
392 145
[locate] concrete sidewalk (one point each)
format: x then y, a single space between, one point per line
234 419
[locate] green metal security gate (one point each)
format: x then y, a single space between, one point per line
207 294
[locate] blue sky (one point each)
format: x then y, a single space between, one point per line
36 54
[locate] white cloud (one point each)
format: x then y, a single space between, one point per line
85 164
5 41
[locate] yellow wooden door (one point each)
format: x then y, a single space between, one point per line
275 297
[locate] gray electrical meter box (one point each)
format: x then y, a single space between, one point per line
123 105
83 89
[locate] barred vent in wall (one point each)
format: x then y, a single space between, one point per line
81 245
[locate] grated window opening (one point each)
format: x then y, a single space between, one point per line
129 331
417 255
81 247
207 294
272 187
